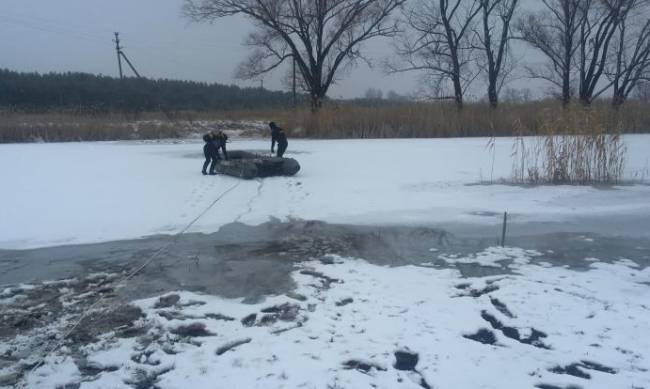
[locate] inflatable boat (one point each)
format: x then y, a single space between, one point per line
248 165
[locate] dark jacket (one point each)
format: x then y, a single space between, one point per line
210 149
278 135
220 139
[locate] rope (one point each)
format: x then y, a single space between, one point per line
129 276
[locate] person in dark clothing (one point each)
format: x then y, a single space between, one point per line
211 153
220 142
278 135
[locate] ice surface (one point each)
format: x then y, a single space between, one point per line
57 194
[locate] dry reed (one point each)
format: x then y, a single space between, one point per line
60 127
335 120
579 145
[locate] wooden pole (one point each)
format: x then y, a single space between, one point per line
503 231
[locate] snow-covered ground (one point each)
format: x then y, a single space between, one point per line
69 193
349 323
347 319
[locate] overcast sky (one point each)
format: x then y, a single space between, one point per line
76 35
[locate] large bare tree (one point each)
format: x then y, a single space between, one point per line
555 32
494 38
631 58
322 36
438 42
599 23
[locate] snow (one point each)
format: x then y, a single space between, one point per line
54 373
493 256
592 317
546 320
69 193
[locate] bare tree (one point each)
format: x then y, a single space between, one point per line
374 94
324 36
555 32
395 97
643 92
599 22
494 39
438 42
631 59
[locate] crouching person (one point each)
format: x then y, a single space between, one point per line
278 135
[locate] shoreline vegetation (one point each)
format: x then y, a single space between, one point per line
337 120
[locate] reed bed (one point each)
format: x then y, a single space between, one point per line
579 146
334 121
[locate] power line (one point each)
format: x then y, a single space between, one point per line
87 33
41 20
30 25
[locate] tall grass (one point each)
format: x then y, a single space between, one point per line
414 120
578 146
425 120
63 127
335 120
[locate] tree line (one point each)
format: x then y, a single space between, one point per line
90 93
591 48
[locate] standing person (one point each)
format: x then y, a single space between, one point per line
278 135
220 141
211 153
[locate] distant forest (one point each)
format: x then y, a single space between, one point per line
89 93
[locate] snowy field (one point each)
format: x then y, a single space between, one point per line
348 323
55 194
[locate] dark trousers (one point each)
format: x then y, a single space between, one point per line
211 155
212 166
282 147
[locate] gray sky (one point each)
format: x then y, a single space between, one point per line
76 35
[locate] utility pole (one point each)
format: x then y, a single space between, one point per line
118 49
120 55
130 65
293 86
